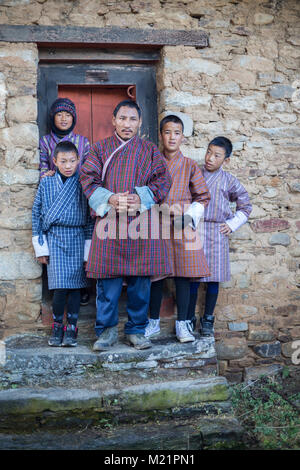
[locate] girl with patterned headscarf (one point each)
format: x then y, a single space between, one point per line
63 119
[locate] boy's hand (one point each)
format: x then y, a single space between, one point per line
225 229
43 259
48 173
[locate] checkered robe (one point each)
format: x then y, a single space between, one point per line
139 163
224 188
49 142
186 258
60 211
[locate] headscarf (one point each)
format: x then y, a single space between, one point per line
62 104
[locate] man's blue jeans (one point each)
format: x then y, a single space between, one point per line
138 298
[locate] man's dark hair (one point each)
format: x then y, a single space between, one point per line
170 118
65 146
224 143
127 104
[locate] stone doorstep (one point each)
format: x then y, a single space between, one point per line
137 398
27 352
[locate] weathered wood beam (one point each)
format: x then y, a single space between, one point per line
95 54
77 35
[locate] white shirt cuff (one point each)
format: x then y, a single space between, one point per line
196 211
40 250
237 221
87 246
99 201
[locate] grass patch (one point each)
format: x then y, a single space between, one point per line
268 409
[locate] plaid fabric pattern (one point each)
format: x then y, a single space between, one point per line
139 163
224 188
49 142
60 211
188 186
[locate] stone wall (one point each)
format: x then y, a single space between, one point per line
245 86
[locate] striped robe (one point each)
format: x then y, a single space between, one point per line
224 188
49 142
139 163
188 186
60 213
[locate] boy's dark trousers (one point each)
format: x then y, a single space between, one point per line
73 305
211 298
182 285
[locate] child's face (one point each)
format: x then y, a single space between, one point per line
67 163
172 136
214 157
63 120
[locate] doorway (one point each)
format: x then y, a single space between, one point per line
96 89
95 106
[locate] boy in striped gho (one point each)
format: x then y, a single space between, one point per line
62 119
219 222
189 193
62 230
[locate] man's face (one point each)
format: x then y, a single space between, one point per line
63 120
127 122
172 136
214 158
67 163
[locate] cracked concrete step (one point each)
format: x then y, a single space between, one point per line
28 407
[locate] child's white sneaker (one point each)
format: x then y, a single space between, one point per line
153 328
182 332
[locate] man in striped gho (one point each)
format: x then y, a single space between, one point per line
124 175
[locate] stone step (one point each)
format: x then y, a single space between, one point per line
57 407
30 361
196 433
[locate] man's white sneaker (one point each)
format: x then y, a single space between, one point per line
182 332
153 328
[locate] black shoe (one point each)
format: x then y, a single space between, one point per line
70 336
207 325
191 324
57 334
84 298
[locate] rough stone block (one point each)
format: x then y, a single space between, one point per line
261 19
18 266
268 349
260 335
21 109
242 326
253 373
269 225
280 239
281 91
231 348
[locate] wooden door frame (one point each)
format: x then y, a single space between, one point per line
143 76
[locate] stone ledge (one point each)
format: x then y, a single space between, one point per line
145 397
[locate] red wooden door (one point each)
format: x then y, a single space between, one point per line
94 107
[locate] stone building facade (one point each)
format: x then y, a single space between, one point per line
245 85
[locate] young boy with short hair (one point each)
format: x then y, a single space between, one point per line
189 193
62 229
63 119
219 222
